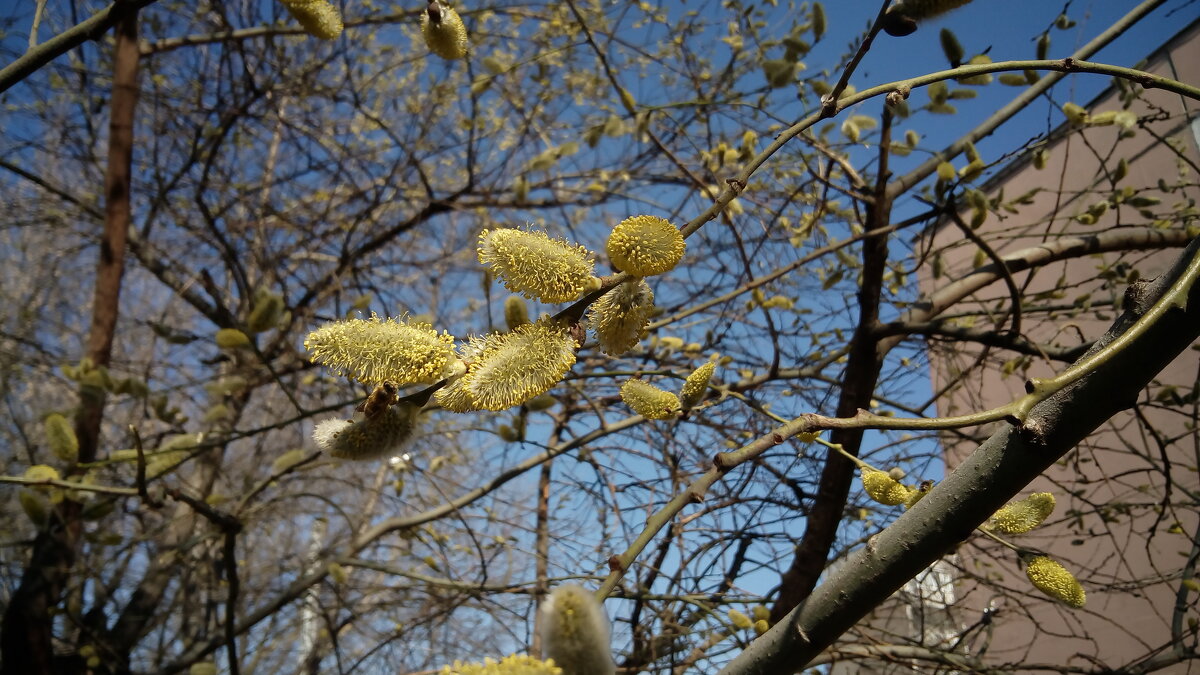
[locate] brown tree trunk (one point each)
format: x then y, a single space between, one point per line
26 636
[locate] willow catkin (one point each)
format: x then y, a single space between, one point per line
536 266
648 400
383 435
1022 516
645 246
377 350
575 632
444 32
620 316
1051 578
884 489
696 385
902 17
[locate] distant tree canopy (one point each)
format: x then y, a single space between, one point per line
333 337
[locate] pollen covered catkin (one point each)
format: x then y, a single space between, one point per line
319 18
532 264
696 385
575 632
645 245
507 369
648 400
1022 516
1054 580
510 665
376 350
883 488
619 316
444 32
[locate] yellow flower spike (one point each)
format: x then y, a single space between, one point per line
371 438
883 488
696 385
444 32
507 369
1022 516
575 632
620 316
319 18
376 350
1054 580
645 245
532 264
648 400
509 665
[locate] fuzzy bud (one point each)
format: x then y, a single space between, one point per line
444 32
883 488
371 438
507 369
645 245
1054 580
1022 516
232 338
375 350
61 437
648 400
739 620
268 309
509 665
575 632
319 18
696 385
620 316
532 264
902 17
40 472
515 312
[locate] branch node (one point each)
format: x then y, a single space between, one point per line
722 462
614 564
1033 432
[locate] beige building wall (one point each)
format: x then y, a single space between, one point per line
1128 497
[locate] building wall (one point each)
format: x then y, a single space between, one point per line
1125 520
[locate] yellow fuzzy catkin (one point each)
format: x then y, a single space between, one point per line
648 400
61 437
1054 580
645 246
620 316
1022 516
739 620
318 18
575 632
507 369
510 665
532 264
377 350
444 32
371 438
696 385
883 488
232 338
